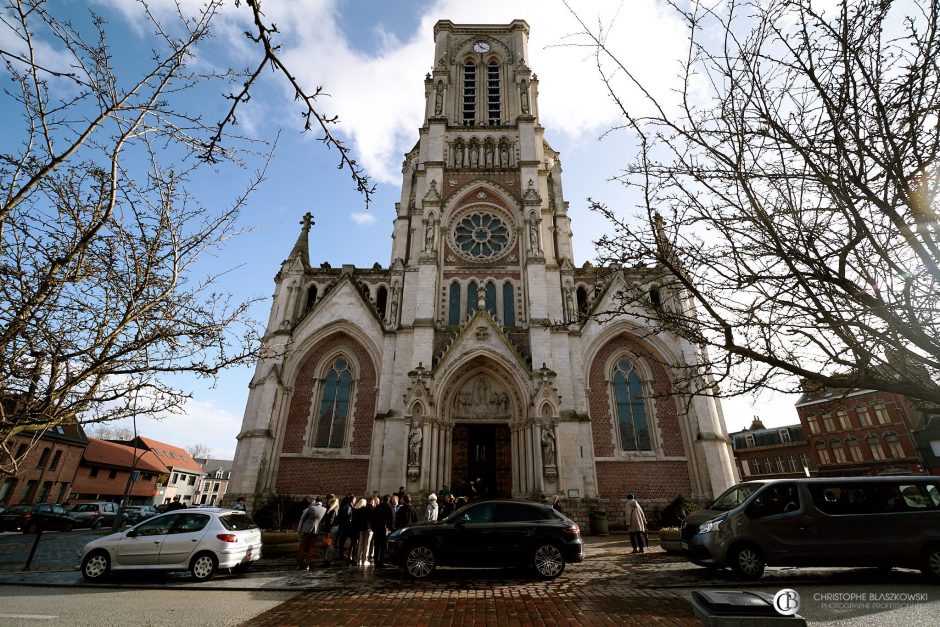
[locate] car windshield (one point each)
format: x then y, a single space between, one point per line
83 508
19 509
734 496
237 522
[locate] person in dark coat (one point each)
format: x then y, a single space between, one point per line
307 528
361 515
406 515
344 520
447 507
382 522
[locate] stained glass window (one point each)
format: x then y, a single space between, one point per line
632 423
453 306
334 406
509 305
481 236
491 298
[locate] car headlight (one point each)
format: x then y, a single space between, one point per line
710 525
396 534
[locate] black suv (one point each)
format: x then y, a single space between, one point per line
488 534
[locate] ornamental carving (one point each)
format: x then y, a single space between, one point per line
481 399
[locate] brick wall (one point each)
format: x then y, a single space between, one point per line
59 478
102 487
305 476
363 411
652 479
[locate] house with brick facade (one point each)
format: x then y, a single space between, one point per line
211 488
860 432
182 471
47 471
470 355
108 469
775 453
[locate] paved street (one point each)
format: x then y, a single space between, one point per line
612 586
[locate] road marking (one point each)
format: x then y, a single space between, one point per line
31 616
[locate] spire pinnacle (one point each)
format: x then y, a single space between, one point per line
300 246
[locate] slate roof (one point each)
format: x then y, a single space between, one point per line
104 453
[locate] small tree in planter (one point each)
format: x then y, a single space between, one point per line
670 535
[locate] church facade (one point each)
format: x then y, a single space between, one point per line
474 354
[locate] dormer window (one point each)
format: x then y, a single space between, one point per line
469 93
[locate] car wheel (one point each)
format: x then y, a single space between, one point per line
419 561
30 528
244 567
96 565
96 524
203 566
930 564
746 560
67 526
548 561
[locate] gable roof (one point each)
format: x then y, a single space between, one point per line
171 456
113 454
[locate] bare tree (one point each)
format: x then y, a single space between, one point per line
107 431
198 451
790 196
101 298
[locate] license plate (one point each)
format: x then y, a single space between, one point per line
684 545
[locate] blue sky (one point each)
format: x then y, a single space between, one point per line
371 56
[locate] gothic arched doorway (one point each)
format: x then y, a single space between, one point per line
482 453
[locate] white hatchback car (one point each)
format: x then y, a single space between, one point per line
198 540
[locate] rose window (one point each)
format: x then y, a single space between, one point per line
481 236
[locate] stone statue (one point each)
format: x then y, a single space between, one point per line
429 236
488 155
474 156
458 156
533 238
439 99
548 447
503 156
414 446
524 93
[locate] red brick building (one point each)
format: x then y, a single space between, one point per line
104 471
46 472
860 432
775 453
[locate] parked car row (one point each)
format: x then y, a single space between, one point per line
54 517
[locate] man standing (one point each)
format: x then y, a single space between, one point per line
383 521
307 528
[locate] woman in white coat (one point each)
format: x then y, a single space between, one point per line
637 523
432 508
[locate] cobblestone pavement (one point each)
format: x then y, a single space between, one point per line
57 550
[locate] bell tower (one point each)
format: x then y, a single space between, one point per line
482 222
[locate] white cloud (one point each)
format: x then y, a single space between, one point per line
363 218
375 95
201 422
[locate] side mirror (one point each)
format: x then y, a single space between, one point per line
132 533
460 524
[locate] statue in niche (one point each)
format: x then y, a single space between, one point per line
503 156
488 155
524 97
474 156
458 156
429 235
414 446
439 99
393 310
533 237
548 447
569 302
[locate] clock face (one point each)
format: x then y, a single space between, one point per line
481 46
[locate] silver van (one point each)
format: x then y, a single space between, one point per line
854 521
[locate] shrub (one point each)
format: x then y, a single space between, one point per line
674 513
281 511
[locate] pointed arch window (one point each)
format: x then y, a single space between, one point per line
469 93
311 297
471 297
492 94
582 299
381 301
453 305
491 298
509 305
334 407
632 422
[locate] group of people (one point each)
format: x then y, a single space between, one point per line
354 529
